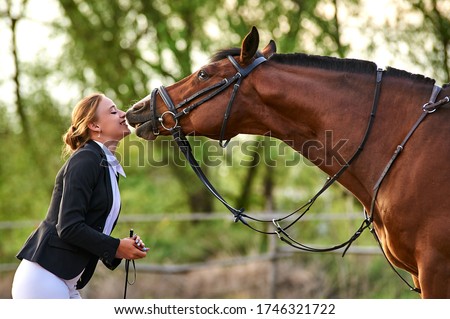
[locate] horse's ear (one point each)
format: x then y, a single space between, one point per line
249 46
269 50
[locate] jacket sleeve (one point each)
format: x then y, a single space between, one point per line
112 265
79 181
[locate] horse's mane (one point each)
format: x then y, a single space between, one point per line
405 74
302 59
326 62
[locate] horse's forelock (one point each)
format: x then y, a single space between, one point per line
222 54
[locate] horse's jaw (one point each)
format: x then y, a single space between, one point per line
144 130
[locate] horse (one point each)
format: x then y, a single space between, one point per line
395 126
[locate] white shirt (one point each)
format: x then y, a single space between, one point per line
114 170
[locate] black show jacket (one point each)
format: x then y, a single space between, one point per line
70 239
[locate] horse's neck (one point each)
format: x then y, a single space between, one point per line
316 109
324 116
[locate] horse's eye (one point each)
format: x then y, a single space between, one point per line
202 75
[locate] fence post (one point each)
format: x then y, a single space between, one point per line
273 267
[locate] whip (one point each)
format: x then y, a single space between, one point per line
127 267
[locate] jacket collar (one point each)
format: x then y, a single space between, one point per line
91 144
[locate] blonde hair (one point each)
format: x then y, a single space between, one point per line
84 113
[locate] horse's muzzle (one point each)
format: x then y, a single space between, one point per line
139 117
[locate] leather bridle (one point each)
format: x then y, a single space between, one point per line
201 96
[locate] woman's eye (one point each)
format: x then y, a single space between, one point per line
202 75
113 112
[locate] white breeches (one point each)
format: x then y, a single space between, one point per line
31 281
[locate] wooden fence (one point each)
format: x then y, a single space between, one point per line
276 249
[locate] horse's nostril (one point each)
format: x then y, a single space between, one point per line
135 107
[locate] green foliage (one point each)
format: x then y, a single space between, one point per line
125 48
420 32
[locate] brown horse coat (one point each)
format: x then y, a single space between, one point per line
300 99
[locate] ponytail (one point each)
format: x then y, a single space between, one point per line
84 113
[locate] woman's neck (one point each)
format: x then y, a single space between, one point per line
111 145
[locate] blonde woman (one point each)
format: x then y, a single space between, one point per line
60 256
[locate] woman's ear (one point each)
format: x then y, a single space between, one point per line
94 127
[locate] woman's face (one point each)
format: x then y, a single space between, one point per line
111 122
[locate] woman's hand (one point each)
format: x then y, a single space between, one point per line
131 248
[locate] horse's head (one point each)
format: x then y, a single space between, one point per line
200 102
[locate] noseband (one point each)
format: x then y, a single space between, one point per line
203 95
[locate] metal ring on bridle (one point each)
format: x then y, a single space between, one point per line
161 120
426 107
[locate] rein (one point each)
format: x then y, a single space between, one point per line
281 231
239 215
430 107
180 138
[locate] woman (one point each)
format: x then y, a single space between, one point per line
60 256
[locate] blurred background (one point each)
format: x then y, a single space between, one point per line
53 52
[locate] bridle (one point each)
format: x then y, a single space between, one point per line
210 92
204 95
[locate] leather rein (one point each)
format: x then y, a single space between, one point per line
281 231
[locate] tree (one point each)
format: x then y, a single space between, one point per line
436 22
122 46
419 33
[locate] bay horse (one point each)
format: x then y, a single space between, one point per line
396 155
